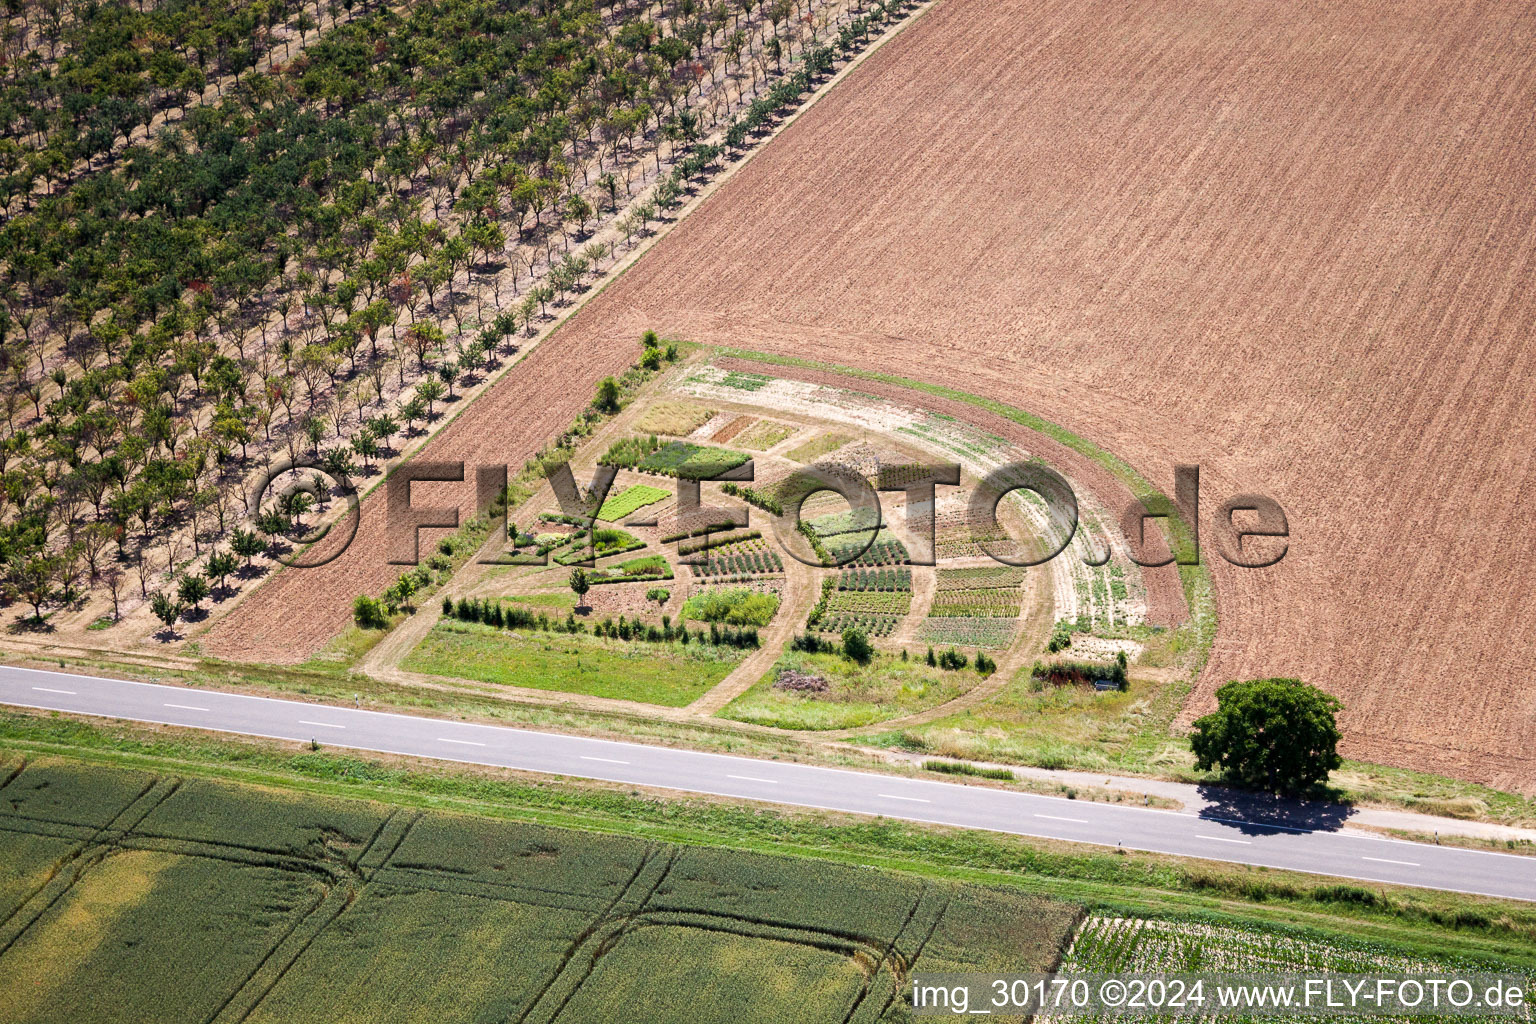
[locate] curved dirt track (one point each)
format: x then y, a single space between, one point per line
1293 245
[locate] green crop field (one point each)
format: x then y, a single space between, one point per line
980 592
859 550
738 560
668 674
874 624
683 459
136 896
629 501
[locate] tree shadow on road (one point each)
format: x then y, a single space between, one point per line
1260 813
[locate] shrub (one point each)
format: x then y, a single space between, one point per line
953 659
810 643
738 607
1082 672
607 399
964 768
1061 637
856 646
368 613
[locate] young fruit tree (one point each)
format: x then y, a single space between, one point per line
580 584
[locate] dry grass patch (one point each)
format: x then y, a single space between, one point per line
764 434
674 418
817 447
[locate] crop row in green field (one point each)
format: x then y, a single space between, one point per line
990 602
1137 945
634 570
875 579
980 578
871 623
974 631
629 501
885 549
744 559
879 602
711 540
235 902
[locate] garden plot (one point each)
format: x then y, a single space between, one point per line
1141 946
1105 649
635 600
623 504
817 448
873 600
673 458
740 560
975 607
605 541
763 434
1072 582
885 549
733 426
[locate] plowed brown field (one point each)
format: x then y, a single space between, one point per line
1292 243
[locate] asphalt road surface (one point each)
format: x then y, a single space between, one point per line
1339 853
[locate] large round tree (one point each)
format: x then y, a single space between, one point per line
1277 735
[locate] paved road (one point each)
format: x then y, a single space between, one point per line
1345 854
